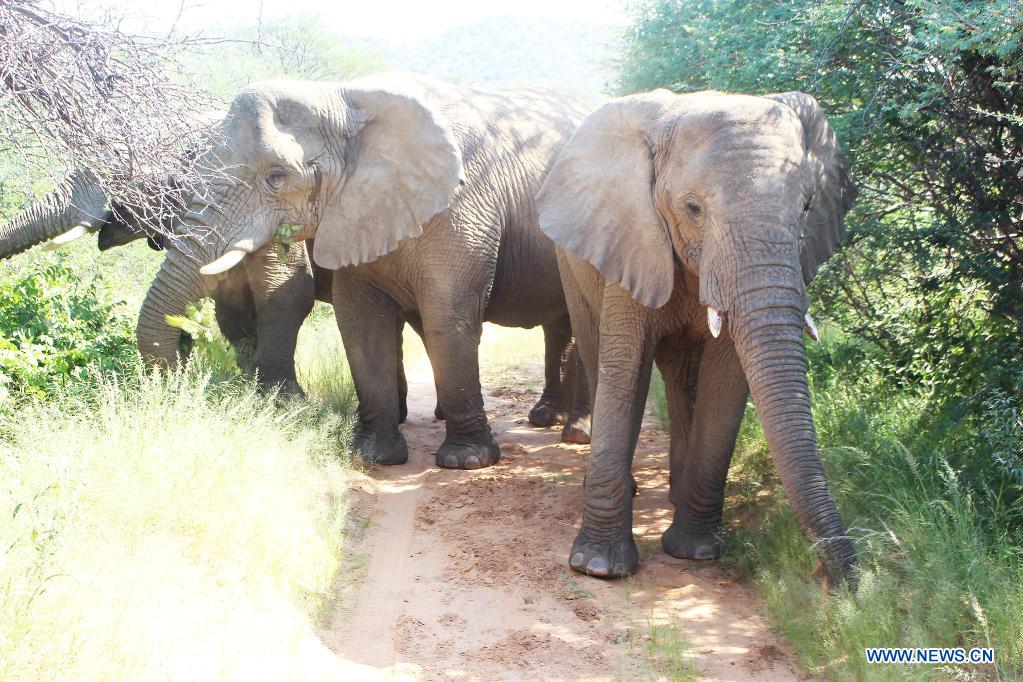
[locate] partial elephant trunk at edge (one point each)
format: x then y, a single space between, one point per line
77 200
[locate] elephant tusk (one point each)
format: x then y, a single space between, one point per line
76 232
714 322
810 327
224 263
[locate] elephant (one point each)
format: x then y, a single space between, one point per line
419 195
687 228
245 302
259 307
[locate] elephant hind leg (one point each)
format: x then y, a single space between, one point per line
577 428
416 322
555 402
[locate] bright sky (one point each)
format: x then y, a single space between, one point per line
379 18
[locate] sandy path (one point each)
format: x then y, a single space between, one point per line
464 574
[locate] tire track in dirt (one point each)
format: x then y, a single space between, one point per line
465 573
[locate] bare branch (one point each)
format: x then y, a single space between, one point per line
79 94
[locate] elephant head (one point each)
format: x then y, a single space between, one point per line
746 193
359 165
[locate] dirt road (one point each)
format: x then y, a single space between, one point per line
463 575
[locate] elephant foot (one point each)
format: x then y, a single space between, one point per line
438 413
380 448
455 455
690 543
604 558
546 413
286 388
577 430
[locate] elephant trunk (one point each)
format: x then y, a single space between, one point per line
176 285
766 324
77 201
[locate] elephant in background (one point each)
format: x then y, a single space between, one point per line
270 295
687 228
420 197
260 306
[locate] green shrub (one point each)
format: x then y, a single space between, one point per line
56 330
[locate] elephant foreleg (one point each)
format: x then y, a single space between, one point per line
369 328
236 316
679 365
605 546
452 342
284 293
698 479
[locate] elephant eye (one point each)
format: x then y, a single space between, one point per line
694 208
276 178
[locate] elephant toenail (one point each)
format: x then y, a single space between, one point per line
451 462
473 462
577 560
597 566
704 552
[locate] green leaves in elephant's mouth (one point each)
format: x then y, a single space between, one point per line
284 238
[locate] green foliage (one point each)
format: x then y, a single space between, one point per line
937 524
665 648
934 506
205 339
56 330
925 97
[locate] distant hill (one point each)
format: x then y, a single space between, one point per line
573 56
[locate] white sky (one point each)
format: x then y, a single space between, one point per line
377 18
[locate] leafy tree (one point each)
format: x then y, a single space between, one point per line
926 98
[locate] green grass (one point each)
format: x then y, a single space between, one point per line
320 362
664 648
938 537
159 528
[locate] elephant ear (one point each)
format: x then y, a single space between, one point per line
834 192
598 202
403 167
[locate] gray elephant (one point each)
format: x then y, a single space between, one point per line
259 307
687 229
270 292
420 196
